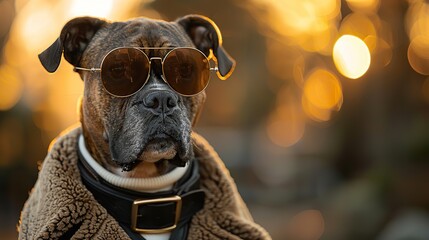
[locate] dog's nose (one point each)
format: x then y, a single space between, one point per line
161 101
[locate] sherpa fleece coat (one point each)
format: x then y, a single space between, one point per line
60 207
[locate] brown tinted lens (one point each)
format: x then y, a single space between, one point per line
186 70
124 71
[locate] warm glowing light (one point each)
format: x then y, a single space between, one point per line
323 89
328 8
417 19
315 113
11 88
358 25
293 18
97 8
371 43
364 5
418 55
351 56
320 40
286 124
51 97
380 49
384 52
420 27
64 94
285 132
31 25
298 71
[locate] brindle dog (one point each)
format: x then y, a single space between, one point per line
133 136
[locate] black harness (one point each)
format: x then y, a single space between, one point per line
160 212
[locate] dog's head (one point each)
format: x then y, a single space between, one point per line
154 124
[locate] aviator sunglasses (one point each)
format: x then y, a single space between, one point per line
125 70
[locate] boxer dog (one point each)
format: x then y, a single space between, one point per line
144 83
136 114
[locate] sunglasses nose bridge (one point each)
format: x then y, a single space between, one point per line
161 61
156 58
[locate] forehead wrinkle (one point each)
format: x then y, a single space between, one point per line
139 32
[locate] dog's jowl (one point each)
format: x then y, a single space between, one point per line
133 168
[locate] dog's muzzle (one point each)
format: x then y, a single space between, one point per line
156 129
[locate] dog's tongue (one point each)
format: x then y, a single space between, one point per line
155 152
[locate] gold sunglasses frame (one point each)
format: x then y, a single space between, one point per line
150 63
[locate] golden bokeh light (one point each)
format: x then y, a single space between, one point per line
358 25
42 20
315 113
417 19
369 6
96 8
299 22
384 52
320 40
286 125
36 25
299 70
418 55
49 112
351 56
11 87
375 32
306 16
371 42
285 132
417 25
323 90
310 28
64 94
381 49
29 25
420 27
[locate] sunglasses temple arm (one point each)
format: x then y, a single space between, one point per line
76 69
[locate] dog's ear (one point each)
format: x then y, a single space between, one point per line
206 36
73 40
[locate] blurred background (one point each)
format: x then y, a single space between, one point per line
324 124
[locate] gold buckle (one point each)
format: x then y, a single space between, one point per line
137 203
